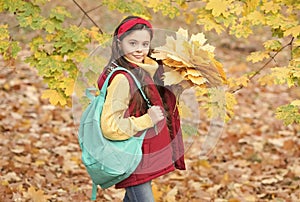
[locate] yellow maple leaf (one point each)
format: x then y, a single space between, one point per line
199 56
68 86
191 58
179 60
188 17
243 81
182 34
256 18
184 110
193 72
220 69
208 48
295 103
266 80
230 102
294 31
240 30
218 7
199 59
209 24
198 80
271 6
172 77
258 56
282 75
200 38
153 3
273 45
54 97
250 6
159 55
170 43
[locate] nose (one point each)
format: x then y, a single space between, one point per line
139 48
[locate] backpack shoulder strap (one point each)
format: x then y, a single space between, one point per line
104 87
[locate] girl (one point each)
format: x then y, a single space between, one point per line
125 112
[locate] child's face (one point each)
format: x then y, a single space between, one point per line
136 45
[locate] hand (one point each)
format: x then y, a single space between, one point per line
156 114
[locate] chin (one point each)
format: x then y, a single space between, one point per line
138 60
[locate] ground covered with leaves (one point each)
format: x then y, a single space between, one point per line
257 158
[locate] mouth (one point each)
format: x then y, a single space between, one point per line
138 56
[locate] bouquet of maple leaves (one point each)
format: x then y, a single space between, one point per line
189 62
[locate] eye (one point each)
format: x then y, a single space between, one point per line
146 44
132 43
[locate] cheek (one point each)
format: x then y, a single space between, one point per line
146 51
125 48
128 50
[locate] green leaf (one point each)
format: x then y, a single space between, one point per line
39 2
272 45
282 75
51 25
189 130
217 104
240 30
134 7
4 34
77 34
1 6
59 13
8 48
289 114
12 5
15 49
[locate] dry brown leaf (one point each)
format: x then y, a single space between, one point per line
156 192
171 195
36 195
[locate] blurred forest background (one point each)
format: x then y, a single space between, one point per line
257 157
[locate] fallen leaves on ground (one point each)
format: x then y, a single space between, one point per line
256 158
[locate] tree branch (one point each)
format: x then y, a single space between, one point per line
264 66
87 15
88 12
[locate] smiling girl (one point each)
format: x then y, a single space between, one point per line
126 114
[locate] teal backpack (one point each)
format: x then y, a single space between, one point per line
107 162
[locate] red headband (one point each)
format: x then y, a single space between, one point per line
130 23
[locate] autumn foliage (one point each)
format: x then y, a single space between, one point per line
242 56
60 48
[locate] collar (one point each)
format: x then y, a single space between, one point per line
149 65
